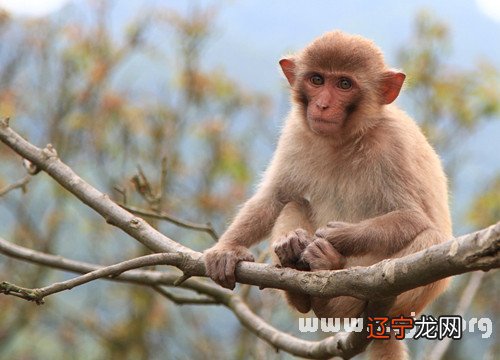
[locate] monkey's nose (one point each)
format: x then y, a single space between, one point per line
321 105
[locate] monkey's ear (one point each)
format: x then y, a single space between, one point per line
392 81
288 67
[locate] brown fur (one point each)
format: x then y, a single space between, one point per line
352 165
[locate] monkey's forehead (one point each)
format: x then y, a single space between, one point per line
337 51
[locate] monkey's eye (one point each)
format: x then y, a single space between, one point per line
317 80
345 84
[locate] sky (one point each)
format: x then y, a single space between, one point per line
32 8
35 8
250 36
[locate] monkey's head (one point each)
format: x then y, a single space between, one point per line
340 82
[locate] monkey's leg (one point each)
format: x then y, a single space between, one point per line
416 300
338 307
321 255
290 236
390 349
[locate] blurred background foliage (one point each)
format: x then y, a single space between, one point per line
190 143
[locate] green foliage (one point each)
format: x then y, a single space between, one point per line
449 103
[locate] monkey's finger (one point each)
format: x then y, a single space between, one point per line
210 267
248 256
307 257
296 247
322 245
278 250
222 274
323 233
303 235
219 277
304 238
302 265
287 245
229 277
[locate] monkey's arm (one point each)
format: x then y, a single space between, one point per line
252 223
383 235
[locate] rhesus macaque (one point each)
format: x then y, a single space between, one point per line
352 181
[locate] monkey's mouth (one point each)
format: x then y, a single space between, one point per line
321 121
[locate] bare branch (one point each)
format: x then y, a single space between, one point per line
477 251
39 294
143 186
161 215
437 352
163 182
181 300
342 344
20 184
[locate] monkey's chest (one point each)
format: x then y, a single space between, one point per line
347 198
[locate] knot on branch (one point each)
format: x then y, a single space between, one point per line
23 293
135 223
49 152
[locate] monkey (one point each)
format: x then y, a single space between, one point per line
352 181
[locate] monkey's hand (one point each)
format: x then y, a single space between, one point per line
342 236
290 247
321 255
221 260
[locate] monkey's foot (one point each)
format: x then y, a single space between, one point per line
290 247
321 255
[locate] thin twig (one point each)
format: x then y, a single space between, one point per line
39 294
173 219
182 300
123 192
16 185
160 197
439 349
143 186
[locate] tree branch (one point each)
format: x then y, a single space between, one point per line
16 185
181 300
161 215
37 295
342 344
437 352
386 279
476 251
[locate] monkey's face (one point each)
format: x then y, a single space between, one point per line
329 99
